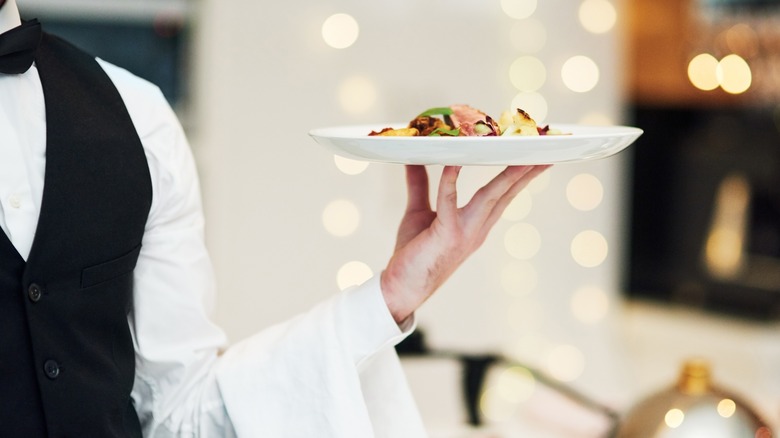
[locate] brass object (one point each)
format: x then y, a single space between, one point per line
693 407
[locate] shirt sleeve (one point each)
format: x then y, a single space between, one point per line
329 372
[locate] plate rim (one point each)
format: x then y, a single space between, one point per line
353 141
614 130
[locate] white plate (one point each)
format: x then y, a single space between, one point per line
582 144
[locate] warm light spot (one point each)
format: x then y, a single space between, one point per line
515 384
533 103
340 31
522 241
589 304
580 74
723 250
494 407
727 408
349 166
357 94
519 208
725 239
702 72
734 74
589 249
674 418
596 118
527 73
597 16
565 363
584 192
519 278
528 36
742 39
518 9
540 183
341 218
353 274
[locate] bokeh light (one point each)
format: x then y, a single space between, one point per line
528 36
518 9
341 217
515 384
596 118
674 418
494 407
742 39
589 248
340 31
540 183
597 16
352 274
580 74
349 166
565 363
589 304
522 241
527 73
734 74
726 408
357 94
702 72
519 208
584 192
533 103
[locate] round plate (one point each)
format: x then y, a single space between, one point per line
580 143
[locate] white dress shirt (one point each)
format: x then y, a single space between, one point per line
330 372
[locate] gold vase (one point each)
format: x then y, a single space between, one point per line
694 407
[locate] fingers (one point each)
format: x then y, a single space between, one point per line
447 198
510 194
489 195
489 202
417 188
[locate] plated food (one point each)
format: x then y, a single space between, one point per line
466 121
463 135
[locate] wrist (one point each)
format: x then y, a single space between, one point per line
394 298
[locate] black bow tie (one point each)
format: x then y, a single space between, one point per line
18 46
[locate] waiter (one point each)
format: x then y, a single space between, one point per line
106 286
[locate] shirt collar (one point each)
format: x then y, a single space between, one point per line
9 16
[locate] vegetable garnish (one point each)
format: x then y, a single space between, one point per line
440 111
466 121
438 132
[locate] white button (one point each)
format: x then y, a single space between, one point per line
15 201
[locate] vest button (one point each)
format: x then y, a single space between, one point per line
34 292
51 368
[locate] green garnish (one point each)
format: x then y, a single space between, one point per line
438 132
441 111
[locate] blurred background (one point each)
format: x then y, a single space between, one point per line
601 279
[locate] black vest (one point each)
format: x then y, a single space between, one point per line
67 361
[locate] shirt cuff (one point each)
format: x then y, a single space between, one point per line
367 321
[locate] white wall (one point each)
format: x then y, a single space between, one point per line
265 77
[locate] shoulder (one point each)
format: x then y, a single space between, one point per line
145 102
128 83
157 124
171 163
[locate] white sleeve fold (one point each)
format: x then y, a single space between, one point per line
330 372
